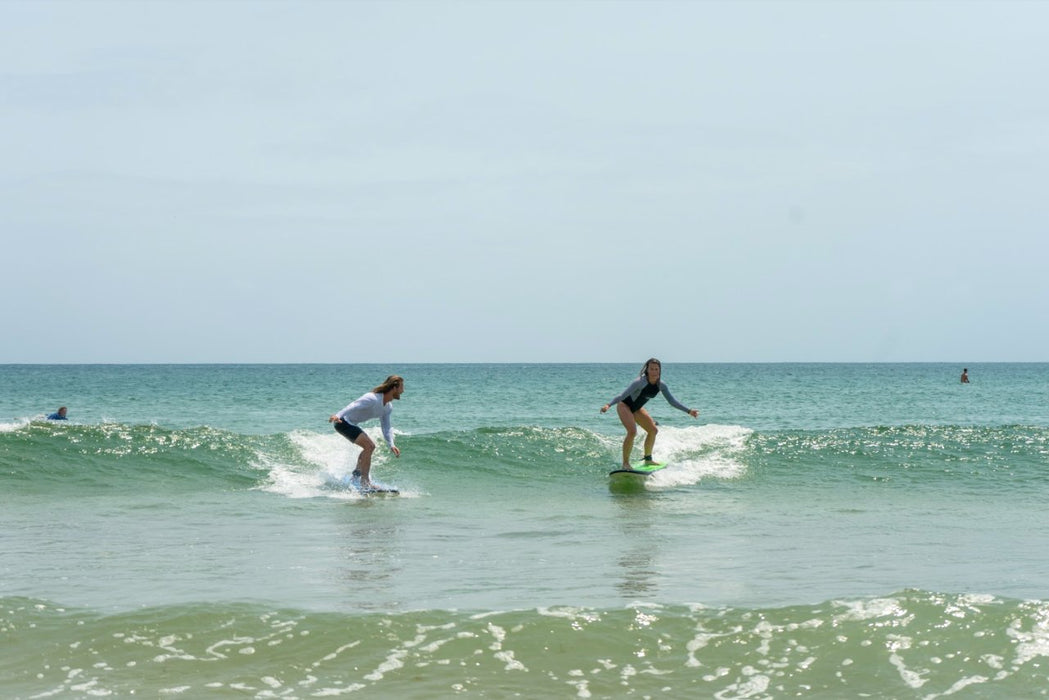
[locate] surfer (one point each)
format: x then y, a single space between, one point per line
965 375
631 411
60 414
374 404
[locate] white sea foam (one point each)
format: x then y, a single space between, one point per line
870 609
326 460
697 453
17 424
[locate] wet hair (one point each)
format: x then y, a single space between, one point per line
392 381
651 361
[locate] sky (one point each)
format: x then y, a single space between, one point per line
523 181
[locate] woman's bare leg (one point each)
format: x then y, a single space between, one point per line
627 418
649 425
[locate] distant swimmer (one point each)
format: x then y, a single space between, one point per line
965 375
631 411
60 414
374 404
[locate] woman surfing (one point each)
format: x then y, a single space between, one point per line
630 406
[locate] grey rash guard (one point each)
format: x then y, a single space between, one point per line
640 391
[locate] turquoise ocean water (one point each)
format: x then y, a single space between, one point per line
822 531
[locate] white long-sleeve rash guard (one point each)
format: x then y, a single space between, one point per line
368 407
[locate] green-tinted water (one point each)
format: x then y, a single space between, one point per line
821 529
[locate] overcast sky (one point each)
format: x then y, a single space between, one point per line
534 181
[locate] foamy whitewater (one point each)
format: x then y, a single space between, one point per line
822 530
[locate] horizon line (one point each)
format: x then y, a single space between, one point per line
521 362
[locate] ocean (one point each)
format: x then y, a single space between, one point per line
821 531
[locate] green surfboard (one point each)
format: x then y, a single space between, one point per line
638 469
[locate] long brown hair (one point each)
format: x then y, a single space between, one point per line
392 381
651 361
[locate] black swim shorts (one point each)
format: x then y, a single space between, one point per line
348 430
